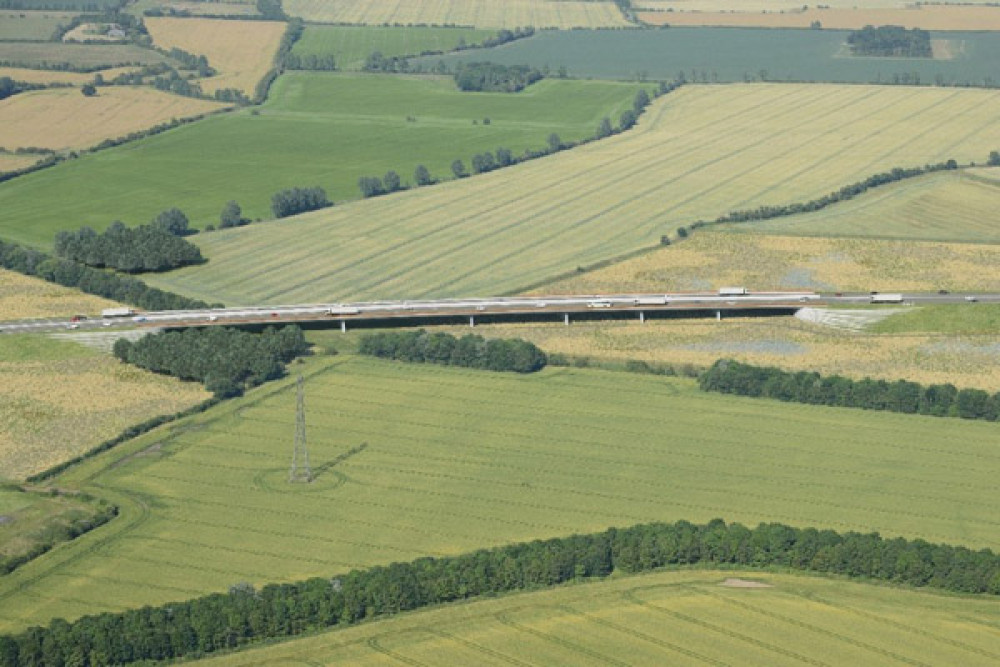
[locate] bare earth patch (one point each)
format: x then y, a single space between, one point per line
744 583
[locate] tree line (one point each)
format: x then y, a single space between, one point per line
890 41
939 400
298 200
244 615
68 273
225 360
470 351
130 250
493 77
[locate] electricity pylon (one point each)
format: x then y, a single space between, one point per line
300 471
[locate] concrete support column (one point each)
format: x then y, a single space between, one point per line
718 315
566 319
343 326
472 321
642 317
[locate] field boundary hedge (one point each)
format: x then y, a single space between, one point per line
244 615
469 351
727 376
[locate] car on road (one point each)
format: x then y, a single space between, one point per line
942 291
971 299
72 325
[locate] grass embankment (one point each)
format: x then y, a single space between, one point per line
697 153
317 129
563 14
240 51
59 399
460 459
351 45
669 618
63 119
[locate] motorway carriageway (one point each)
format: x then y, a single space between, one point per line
407 313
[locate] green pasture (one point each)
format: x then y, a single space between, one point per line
944 206
85 56
28 518
34 348
458 459
317 129
68 5
965 318
22 25
669 618
350 45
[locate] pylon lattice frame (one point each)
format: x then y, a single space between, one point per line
300 472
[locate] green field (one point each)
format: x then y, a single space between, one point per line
945 206
462 459
669 618
697 153
68 5
83 56
18 25
350 45
317 129
977 318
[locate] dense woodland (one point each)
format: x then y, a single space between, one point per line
244 614
492 77
890 41
225 360
68 273
940 400
131 250
470 351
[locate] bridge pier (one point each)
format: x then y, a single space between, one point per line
343 326
472 321
566 319
718 315
642 317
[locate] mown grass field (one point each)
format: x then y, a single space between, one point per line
317 129
981 318
462 459
697 153
966 355
26 297
927 17
713 55
63 119
350 45
58 399
240 51
24 25
563 14
86 56
202 7
955 206
675 618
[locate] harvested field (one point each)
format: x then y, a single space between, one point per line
709 260
928 17
953 206
562 14
666 618
24 297
12 162
56 76
58 399
460 459
241 51
962 359
63 119
31 25
697 153
78 56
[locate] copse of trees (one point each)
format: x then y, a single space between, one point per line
231 216
493 77
298 200
225 360
131 250
245 615
939 400
891 41
67 273
470 351
173 221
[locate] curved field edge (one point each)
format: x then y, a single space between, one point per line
668 617
471 459
503 231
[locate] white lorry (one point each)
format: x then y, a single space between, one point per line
733 291
887 298
117 312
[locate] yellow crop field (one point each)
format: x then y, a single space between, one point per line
928 17
23 297
667 618
55 76
62 118
59 399
964 360
240 51
709 260
697 153
563 14
11 162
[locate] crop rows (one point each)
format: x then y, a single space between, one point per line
668 618
699 152
473 459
